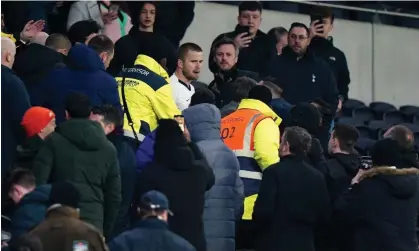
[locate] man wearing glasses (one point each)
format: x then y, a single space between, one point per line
304 76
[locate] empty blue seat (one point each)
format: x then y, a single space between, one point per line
364 131
394 117
416 119
409 111
379 108
413 127
376 127
349 121
351 104
363 146
363 114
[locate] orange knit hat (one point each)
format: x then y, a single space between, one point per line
35 119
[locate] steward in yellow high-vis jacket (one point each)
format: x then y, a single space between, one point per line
252 133
146 97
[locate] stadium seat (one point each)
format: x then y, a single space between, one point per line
364 131
363 145
376 126
413 127
351 104
409 111
379 108
416 119
394 117
350 121
363 114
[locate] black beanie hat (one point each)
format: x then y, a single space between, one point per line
261 93
65 194
307 116
386 152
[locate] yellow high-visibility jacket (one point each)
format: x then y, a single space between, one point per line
148 95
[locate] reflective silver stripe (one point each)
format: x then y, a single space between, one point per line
248 135
129 133
250 175
247 152
244 153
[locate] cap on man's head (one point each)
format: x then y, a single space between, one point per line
64 194
154 200
35 119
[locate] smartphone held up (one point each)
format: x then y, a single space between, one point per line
181 121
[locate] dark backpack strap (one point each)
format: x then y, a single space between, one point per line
125 108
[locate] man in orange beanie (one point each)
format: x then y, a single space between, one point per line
39 123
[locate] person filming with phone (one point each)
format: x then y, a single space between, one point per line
381 206
321 24
257 49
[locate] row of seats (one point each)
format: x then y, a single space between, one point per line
374 120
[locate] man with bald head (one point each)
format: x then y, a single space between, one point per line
38 59
15 102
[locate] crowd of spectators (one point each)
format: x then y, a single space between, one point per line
111 142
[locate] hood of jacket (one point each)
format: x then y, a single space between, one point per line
87 135
351 162
81 57
203 122
400 183
152 65
261 107
39 195
35 60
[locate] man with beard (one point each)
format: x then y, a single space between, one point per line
305 76
226 54
187 69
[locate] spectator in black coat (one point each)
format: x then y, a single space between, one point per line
404 136
180 172
257 49
225 57
143 39
36 61
321 44
292 198
304 75
382 205
174 18
308 117
82 31
344 162
110 119
15 102
338 171
152 231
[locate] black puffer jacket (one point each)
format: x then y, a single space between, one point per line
383 208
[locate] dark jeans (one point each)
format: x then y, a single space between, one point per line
245 237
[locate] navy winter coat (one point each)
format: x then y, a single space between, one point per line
30 211
85 73
15 102
150 234
224 200
127 166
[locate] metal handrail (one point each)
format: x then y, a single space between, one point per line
338 6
